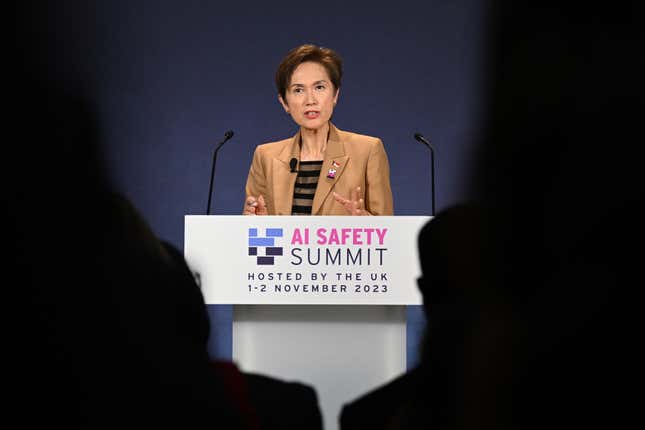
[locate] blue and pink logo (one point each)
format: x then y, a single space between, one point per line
266 243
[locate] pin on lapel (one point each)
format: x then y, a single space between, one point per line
335 165
331 174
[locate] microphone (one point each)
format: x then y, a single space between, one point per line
292 165
227 136
419 137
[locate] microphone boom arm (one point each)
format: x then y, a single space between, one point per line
419 137
227 136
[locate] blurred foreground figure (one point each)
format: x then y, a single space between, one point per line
111 329
546 333
115 328
559 174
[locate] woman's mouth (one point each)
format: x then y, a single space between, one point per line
312 114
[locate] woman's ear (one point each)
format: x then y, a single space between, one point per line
336 96
283 103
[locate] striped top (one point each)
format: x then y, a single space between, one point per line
305 188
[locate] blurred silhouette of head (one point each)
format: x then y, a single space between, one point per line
558 172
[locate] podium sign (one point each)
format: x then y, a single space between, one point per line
305 259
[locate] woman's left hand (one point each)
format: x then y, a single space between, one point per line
355 205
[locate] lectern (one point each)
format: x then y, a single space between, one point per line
319 300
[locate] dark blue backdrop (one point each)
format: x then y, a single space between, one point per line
169 78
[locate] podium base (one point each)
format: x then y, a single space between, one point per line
343 351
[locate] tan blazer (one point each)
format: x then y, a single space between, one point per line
361 161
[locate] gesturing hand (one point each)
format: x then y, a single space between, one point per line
355 205
255 206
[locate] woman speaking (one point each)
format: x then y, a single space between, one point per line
321 170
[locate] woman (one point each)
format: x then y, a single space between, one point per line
321 170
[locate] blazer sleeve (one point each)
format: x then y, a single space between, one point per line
378 193
256 182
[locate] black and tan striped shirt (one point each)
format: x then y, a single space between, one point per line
305 188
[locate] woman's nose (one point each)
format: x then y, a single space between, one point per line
311 99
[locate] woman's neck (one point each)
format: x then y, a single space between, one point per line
313 143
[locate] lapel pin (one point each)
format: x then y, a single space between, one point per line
335 164
331 174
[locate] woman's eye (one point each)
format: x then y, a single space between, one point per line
320 87
297 90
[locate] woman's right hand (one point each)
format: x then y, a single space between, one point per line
255 206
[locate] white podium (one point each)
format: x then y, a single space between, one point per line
319 300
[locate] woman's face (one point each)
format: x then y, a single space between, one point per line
310 96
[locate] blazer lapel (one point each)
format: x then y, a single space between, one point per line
332 169
283 180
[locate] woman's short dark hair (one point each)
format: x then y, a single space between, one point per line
326 57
